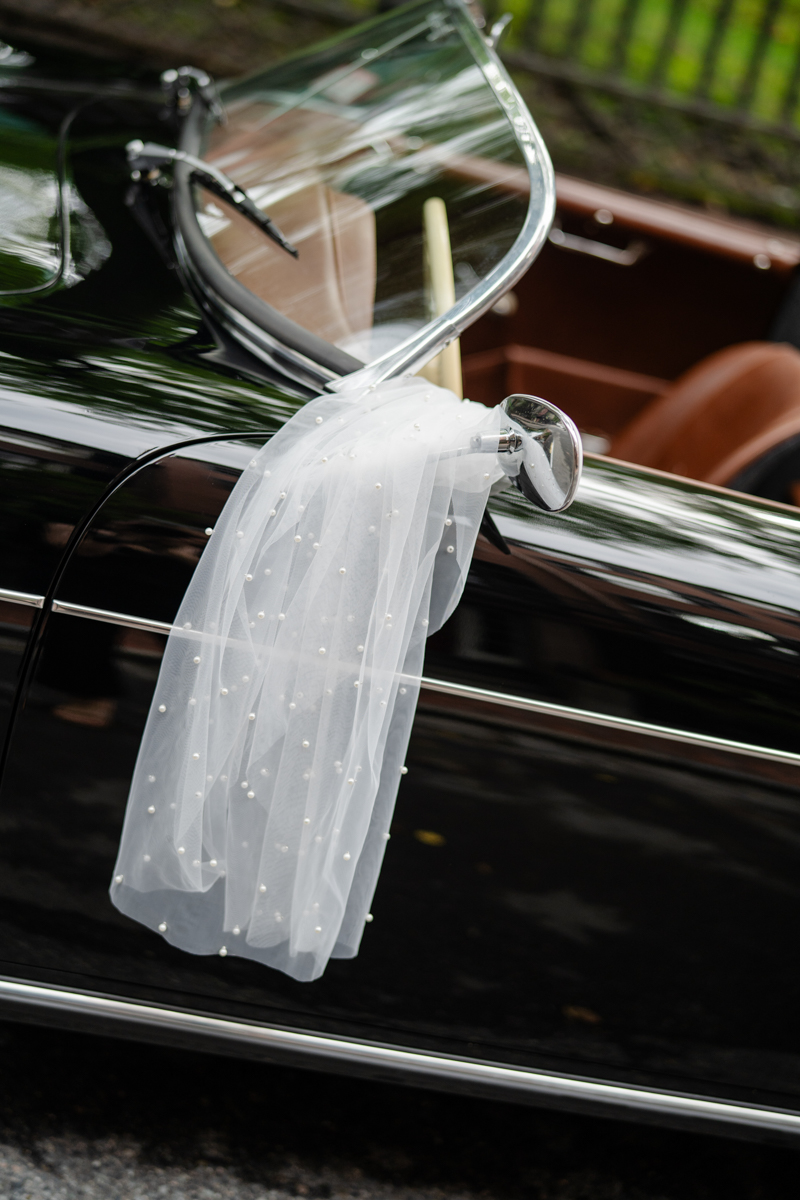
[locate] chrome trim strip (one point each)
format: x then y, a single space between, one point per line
28 599
608 722
389 1058
111 618
439 332
501 699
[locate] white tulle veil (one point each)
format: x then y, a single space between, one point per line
266 780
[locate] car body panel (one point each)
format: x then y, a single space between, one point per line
592 871
549 898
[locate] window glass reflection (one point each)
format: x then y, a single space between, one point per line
342 149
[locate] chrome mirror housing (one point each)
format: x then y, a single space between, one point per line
547 458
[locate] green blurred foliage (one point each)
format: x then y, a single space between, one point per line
635 144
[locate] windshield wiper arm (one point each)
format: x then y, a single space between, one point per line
145 157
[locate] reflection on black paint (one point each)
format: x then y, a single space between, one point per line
569 880
655 600
582 909
15 623
46 486
137 558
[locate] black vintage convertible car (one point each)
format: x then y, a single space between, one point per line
591 898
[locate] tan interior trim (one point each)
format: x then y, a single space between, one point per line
731 237
566 364
742 240
581 368
599 398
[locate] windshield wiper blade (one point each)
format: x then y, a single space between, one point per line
147 157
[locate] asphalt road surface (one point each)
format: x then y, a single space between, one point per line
85 1118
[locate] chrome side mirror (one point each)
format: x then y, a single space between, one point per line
547 460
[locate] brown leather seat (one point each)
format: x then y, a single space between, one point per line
719 417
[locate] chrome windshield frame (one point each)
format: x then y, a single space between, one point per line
306 360
418 349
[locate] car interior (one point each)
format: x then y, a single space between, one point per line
665 333
669 334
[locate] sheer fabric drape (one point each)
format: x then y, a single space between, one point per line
266 780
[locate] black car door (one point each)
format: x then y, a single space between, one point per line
593 859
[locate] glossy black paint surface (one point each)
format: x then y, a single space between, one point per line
551 896
75 418
15 624
577 909
651 598
545 900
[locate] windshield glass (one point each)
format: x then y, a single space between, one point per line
342 148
